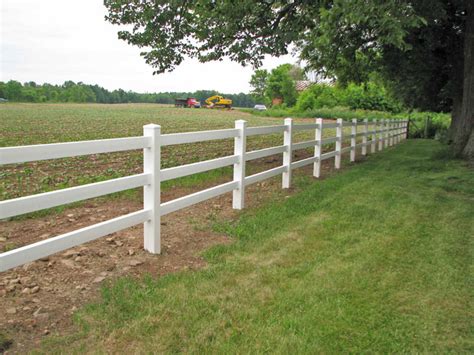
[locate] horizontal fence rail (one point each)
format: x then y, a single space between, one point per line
29 153
35 251
194 137
45 200
381 134
189 169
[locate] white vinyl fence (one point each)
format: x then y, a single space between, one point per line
384 133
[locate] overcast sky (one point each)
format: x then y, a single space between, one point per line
57 40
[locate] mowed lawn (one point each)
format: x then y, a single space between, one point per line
375 258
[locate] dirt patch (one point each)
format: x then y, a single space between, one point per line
39 298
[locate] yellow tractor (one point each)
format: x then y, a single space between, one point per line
218 101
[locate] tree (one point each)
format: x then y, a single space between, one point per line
281 85
432 40
258 82
2 89
13 91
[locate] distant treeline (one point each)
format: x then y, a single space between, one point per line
80 92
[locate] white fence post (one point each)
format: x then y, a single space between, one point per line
373 144
318 148
353 139
392 133
240 144
389 133
386 133
397 130
402 124
364 137
287 155
381 134
337 158
151 192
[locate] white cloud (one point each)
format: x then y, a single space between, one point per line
58 40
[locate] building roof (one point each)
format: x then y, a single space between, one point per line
302 85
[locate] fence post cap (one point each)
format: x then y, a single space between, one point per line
152 126
288 120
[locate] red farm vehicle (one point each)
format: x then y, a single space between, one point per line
189 102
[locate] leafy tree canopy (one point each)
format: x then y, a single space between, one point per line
423 48
80 92
258 82
280 84
347 39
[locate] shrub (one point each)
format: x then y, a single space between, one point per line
319 96
369 96
429 125
280 84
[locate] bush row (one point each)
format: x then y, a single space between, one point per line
368 96
423 124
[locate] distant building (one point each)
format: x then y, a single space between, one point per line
277 101
302 85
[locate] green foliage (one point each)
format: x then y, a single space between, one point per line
415 45
367 96
13 90
280 84
370 96
429 125
319 96
85 93
437 125
258 83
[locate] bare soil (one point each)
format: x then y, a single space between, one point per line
39 298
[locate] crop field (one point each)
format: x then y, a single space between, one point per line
24 124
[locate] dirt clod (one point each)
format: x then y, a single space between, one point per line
98 279
68 263
135 262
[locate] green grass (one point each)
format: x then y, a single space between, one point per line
5 342
376 258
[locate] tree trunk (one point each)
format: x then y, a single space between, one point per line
463 136
456 109
468 151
